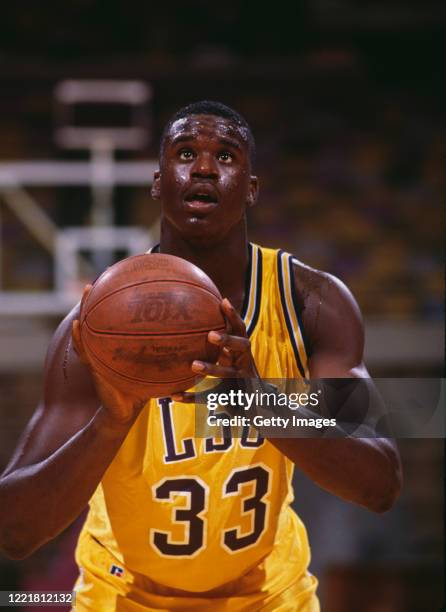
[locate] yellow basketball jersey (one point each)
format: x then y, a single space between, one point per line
196 514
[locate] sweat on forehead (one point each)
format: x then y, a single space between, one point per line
196 123
228 120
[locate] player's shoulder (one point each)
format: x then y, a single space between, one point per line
325 302
311 281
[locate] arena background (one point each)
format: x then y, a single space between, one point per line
345 103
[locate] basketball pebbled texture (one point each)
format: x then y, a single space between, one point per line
146 319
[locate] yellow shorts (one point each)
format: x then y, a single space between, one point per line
105 585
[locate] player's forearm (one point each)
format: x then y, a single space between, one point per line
38 501
365 471
359 467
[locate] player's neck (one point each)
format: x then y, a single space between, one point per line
225 263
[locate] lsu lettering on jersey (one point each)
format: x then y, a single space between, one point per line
186 523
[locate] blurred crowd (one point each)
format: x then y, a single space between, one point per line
364 203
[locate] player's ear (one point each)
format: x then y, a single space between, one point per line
155 191
253 191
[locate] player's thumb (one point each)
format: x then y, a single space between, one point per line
85 293
77 342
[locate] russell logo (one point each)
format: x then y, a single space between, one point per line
115 570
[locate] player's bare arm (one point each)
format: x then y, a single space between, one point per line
366 471
69 443
363 470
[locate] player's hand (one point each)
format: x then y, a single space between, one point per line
235 361
121 407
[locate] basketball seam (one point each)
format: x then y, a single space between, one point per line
145 334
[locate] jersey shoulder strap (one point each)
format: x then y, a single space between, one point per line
291 311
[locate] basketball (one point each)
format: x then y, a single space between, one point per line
146 319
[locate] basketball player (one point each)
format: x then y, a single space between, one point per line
177 522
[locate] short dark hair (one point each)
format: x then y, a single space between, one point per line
209 107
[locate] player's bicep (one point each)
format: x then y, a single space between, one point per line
338 335
69 401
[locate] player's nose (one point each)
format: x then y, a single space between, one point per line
205 166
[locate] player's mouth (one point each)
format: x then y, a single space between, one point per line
200 200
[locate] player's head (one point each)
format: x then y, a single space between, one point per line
217 109
205 182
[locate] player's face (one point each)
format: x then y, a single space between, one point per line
205 181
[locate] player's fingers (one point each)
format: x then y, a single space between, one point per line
189 397
185 398
226 358
77 342
211 369
237 344
201 397
235 320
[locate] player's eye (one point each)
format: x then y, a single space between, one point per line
185 154
225 157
